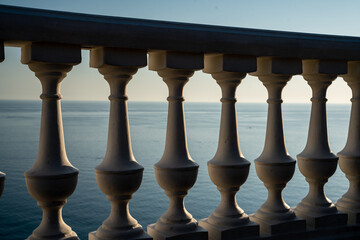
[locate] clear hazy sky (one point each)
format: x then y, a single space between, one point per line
339 17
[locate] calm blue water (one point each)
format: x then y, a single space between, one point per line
85 127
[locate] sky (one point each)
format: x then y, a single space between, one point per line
339 17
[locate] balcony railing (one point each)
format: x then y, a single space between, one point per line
51 43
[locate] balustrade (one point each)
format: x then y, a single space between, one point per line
118 48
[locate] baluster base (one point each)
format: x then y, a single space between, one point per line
349 203
140 236
51 193
316 221
268 227
249 229
198 233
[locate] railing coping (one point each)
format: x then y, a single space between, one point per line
19 25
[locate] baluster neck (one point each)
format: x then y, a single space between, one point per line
176 151
51 141
317 143
274 148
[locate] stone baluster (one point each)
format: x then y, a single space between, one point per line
349 157
119 175
52 179
228 169
275 167
176 172
2 175
316 162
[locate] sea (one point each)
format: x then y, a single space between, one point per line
85 129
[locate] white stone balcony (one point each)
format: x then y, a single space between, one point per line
51 44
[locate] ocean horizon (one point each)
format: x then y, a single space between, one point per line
85 130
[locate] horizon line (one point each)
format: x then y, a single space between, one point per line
165 101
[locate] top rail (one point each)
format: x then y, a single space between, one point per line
19 25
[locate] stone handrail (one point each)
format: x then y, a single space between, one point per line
51 44
19 25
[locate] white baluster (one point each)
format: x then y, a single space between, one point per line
52 179
119 175
275 167
349 157
176 172
316 162
228 169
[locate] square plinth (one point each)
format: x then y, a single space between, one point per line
144 236
250 229
353 216
199 234
268 228
325 221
